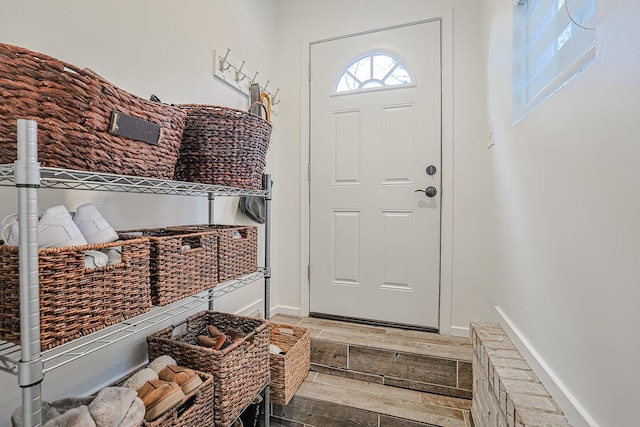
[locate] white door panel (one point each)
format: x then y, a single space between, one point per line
346 146
375 242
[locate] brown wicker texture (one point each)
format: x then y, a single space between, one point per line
75 301
236 257
239 371
223 146
73 109
176 271
288 371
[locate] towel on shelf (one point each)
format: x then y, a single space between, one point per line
111 407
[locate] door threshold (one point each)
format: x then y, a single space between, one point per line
373 322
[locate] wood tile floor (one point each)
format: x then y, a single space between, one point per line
368 404
426 343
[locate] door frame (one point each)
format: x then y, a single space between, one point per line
446 223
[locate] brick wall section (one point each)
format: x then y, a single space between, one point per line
506 392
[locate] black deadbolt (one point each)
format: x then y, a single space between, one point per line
431 170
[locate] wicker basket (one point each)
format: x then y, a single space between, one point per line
239 372
288 371
223 146
75 301
73 109
195 409
181 263
236 257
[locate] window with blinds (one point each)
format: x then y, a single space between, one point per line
554 40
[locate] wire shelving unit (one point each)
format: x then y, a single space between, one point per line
26 360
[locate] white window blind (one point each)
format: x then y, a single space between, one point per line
551 47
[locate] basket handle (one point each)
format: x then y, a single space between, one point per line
265 99
258 103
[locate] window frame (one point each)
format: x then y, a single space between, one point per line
370 54
523 103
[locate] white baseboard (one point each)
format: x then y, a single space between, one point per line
460 331
283 309
576 414
254 309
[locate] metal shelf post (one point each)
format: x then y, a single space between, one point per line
27 180
211 199
266 185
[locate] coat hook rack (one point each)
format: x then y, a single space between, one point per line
236 78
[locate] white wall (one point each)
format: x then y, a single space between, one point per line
146 47
566 203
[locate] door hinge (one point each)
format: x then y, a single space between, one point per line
309 172
309 272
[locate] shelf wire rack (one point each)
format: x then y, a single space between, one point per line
68 179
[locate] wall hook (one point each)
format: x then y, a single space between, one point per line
240 73
253 80
273 98
264 89
224 60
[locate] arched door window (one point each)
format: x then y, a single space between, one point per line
373 71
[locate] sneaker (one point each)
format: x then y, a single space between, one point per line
55 229
186 378
93 226
114 255
10 230
158 397
95 259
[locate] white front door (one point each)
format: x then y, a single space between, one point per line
375 242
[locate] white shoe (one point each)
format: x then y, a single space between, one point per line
114 255
93 226
94 259
55 229
10 230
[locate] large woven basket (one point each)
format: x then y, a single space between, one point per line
239 372
75 301
181 263
289 370
73 108
223 146
236 257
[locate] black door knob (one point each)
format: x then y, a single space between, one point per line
429 191
431 170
